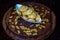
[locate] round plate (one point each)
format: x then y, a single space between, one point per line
44 34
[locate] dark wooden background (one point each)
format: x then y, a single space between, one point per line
6 4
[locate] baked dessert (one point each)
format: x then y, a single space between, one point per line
23 30
28 13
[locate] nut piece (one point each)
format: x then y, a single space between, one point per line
16 18
13 12
35 30
20 23
28 31
43 8
43 26
16 23
46 11
22 27
34 34
29 34
12 26
35 6
41 14
31 25
25 28
18 31
43 22
37 18
37 25
17 27
18 12
46 20
40 27
10 20
11 17
32 16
